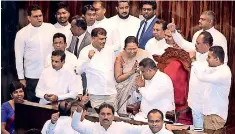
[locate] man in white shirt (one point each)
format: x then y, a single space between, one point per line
113 35
97 61
206 23
63 25
156 89
60 122
81 37
32 45
197 87
145 31
106 125
57 82
157 44
59 43
88 11
127 24
215 97
156 123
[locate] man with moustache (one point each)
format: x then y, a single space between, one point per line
157 44
146 26
63 26
113 35
106 125
206 23
32 44
126 24
97 61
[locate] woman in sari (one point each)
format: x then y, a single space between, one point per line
8 108
125 71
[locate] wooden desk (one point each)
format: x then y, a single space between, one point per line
31 115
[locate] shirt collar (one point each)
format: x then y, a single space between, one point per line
211 29
61 26
81 36
150 20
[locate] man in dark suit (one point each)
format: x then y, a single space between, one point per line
145 31
81 37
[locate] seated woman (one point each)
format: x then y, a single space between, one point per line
125 71
8 108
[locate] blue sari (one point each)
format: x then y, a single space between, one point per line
8 116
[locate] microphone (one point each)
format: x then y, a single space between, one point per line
129 96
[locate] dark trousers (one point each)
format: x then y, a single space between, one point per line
84 82
31 85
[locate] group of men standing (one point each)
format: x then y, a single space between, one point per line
47 56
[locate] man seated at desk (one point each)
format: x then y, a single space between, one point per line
60 122
106 125
156 89
57 83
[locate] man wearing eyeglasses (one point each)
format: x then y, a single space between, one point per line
146 26
32 45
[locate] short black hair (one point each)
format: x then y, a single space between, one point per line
106 105
148 63
80 22
164 24
123 1
15 85
207 38
98 31
61 5
218 51
86 8
33 8
155 111
131 39
152 3
58 35
65 108
101 3
59 53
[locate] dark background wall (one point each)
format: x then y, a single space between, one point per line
186 14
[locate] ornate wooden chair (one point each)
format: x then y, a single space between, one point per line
176 64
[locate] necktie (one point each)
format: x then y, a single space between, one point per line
143 30
76 48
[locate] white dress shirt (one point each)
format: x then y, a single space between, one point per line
216 95
95 127
66 31
99 70
197 89
218 40
32 45
90 28
127 27
113 40
80 38
162 131
70 60
62 83
157 47
148 23
158 93
62 126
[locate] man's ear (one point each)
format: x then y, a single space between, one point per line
104 10
116 8
29 18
